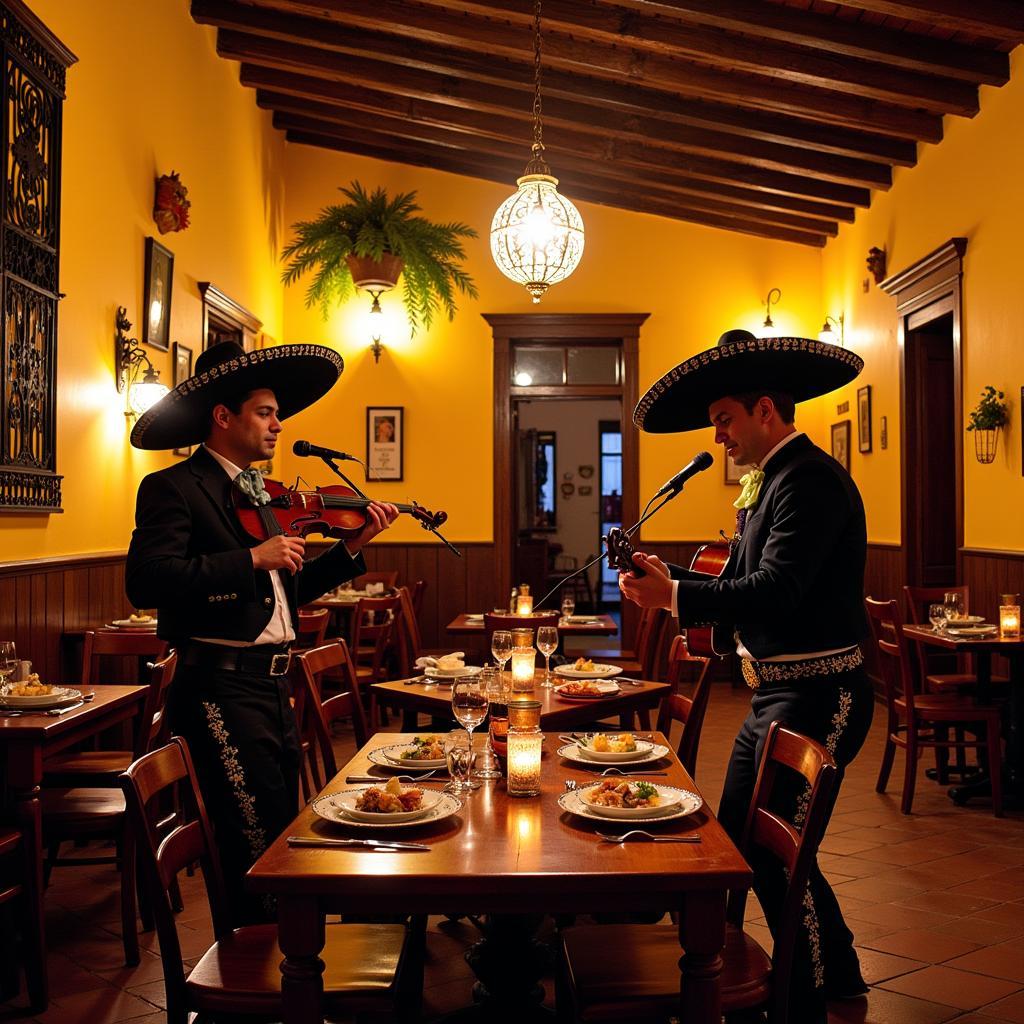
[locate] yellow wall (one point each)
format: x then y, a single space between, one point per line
146 99
969 185
694 281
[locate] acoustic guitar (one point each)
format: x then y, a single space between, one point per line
701 641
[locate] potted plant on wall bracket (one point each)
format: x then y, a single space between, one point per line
987 418
368 243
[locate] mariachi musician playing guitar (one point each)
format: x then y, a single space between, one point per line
788 601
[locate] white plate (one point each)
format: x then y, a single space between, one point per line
643 748
474 617
451 673
607 690
60 695
379 758
686 804
393 756
346 802
135 623
331 809
968 631
573 752
599 671
583 620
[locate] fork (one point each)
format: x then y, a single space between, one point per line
619 771
378 778
692 838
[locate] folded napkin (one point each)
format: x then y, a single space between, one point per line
374 589
445 661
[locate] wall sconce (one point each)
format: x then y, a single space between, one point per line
376 326
826 333
769 327
135 375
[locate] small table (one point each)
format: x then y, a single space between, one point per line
599 625
983 648
556 712
512 859
25 741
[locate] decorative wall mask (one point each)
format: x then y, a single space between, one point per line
171 205
568 489
876 263
586 472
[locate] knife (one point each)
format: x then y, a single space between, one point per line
56 712
379 844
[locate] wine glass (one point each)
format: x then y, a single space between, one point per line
501 647
937 617
547 644
491 683
568 605
954 605
469 705
8 660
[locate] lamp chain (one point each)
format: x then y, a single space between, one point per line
538 130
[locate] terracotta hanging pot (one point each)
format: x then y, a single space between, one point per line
375 275
985 442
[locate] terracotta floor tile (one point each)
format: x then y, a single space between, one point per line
99 1007
983 932
1005 913
153 992
1011 1008
947 903
882 1007
878 890
844 844
951 987
876 966
1003 961
930 946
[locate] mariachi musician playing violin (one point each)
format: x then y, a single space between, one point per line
789 600
226 601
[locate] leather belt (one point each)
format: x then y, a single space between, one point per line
766 673
260 660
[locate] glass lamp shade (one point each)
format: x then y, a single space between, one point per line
827 335
537 235
145 393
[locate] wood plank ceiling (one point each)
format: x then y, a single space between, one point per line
770 117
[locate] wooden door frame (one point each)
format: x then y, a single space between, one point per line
560 327
926 290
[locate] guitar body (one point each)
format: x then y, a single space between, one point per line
700 640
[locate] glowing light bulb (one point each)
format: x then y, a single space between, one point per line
523 379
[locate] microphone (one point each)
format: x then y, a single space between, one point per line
700 462
304 449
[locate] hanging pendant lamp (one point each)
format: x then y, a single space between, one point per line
537 234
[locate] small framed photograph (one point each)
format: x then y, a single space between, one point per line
182 371
385 441
732 471
864 418
841 443
156 304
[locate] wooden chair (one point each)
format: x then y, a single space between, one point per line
81 800
916 720
315 717
645 659
687 710
108 643
368 968
312 628
389 577
372 627
631 972
419 588
18 894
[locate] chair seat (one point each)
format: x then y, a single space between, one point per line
68 769
631 972
242 973
947 707
84 810
959 681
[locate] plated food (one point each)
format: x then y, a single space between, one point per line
136 622
581 753
612 793
584 668
31 693
30 687
341 808
425 748
586 690
968 631
392 799
636 800
614 747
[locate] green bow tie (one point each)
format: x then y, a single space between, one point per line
250 482
750 484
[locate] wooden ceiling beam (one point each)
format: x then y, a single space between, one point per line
748 222
607 151
463 55
836 36
508 121
585 20
994 19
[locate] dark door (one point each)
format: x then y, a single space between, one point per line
929 464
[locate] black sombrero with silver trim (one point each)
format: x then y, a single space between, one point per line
739 364
298 375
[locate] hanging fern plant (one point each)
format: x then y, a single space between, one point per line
373 225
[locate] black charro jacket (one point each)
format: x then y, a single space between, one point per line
189 558
794 583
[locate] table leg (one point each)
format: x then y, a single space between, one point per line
300 922
1015 732
702 936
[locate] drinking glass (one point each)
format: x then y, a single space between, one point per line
469 705
491 683
568 605
954 604
8 660
937 617
501 647
460 763
547 644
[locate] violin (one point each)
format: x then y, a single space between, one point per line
333 511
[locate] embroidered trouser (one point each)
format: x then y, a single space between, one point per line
836 711
241 733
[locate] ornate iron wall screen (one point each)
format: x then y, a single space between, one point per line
35 63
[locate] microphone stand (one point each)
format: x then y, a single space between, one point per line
430 529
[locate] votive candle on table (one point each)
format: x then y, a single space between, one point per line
524 749
524 660
1009 616
524 602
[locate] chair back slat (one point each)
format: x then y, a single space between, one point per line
312 628
409 638
419 589
690 711
152 729
893 652
372 627
650 643
108 643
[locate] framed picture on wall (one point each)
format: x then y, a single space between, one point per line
182 371
732 471
864 418
841 443
156 304
385 441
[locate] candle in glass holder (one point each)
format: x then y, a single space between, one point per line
524 602
524 749
1009 616
524 659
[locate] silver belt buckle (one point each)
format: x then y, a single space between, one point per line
283 663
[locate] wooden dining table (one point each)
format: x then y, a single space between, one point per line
468 624
634 697
983 648
26 740
514 859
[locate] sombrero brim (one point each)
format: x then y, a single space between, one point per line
801 367
299 375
